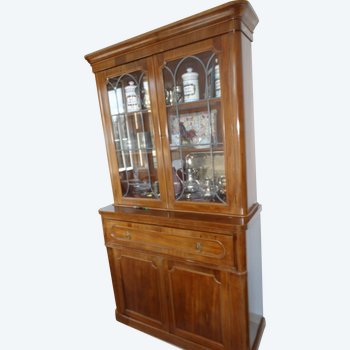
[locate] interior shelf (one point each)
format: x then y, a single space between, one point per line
148 150
199 147
195 105
141 111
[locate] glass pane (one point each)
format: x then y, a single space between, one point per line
133 133
192 96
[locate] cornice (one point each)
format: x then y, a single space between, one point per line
234 15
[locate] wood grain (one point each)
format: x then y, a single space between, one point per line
194 245
189 272
196 296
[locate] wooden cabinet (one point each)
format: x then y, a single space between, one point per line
183 233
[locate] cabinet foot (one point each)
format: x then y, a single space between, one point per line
259 334
178 341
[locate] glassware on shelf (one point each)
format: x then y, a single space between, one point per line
132 100
155 189
192 187
174 95
146 102
178 94
177 182
139 188
190 85
169 97
203 174
221 184
209 188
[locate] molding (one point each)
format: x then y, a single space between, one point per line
234 15
217 223
159 333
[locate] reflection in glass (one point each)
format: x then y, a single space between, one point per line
133 133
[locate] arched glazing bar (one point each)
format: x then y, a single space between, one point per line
122 121
207 68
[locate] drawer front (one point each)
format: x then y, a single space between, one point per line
191 245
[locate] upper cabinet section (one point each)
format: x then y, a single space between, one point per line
177 113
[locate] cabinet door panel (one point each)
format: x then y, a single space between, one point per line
130 116
196 304
139 286
193 114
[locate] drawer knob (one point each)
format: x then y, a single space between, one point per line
127 235
199 247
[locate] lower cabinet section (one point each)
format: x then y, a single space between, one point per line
195 307
187 287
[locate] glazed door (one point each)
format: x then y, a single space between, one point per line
130 117
192 91
139 287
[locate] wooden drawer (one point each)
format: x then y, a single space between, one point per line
191 245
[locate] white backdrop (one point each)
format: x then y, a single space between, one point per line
55 287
